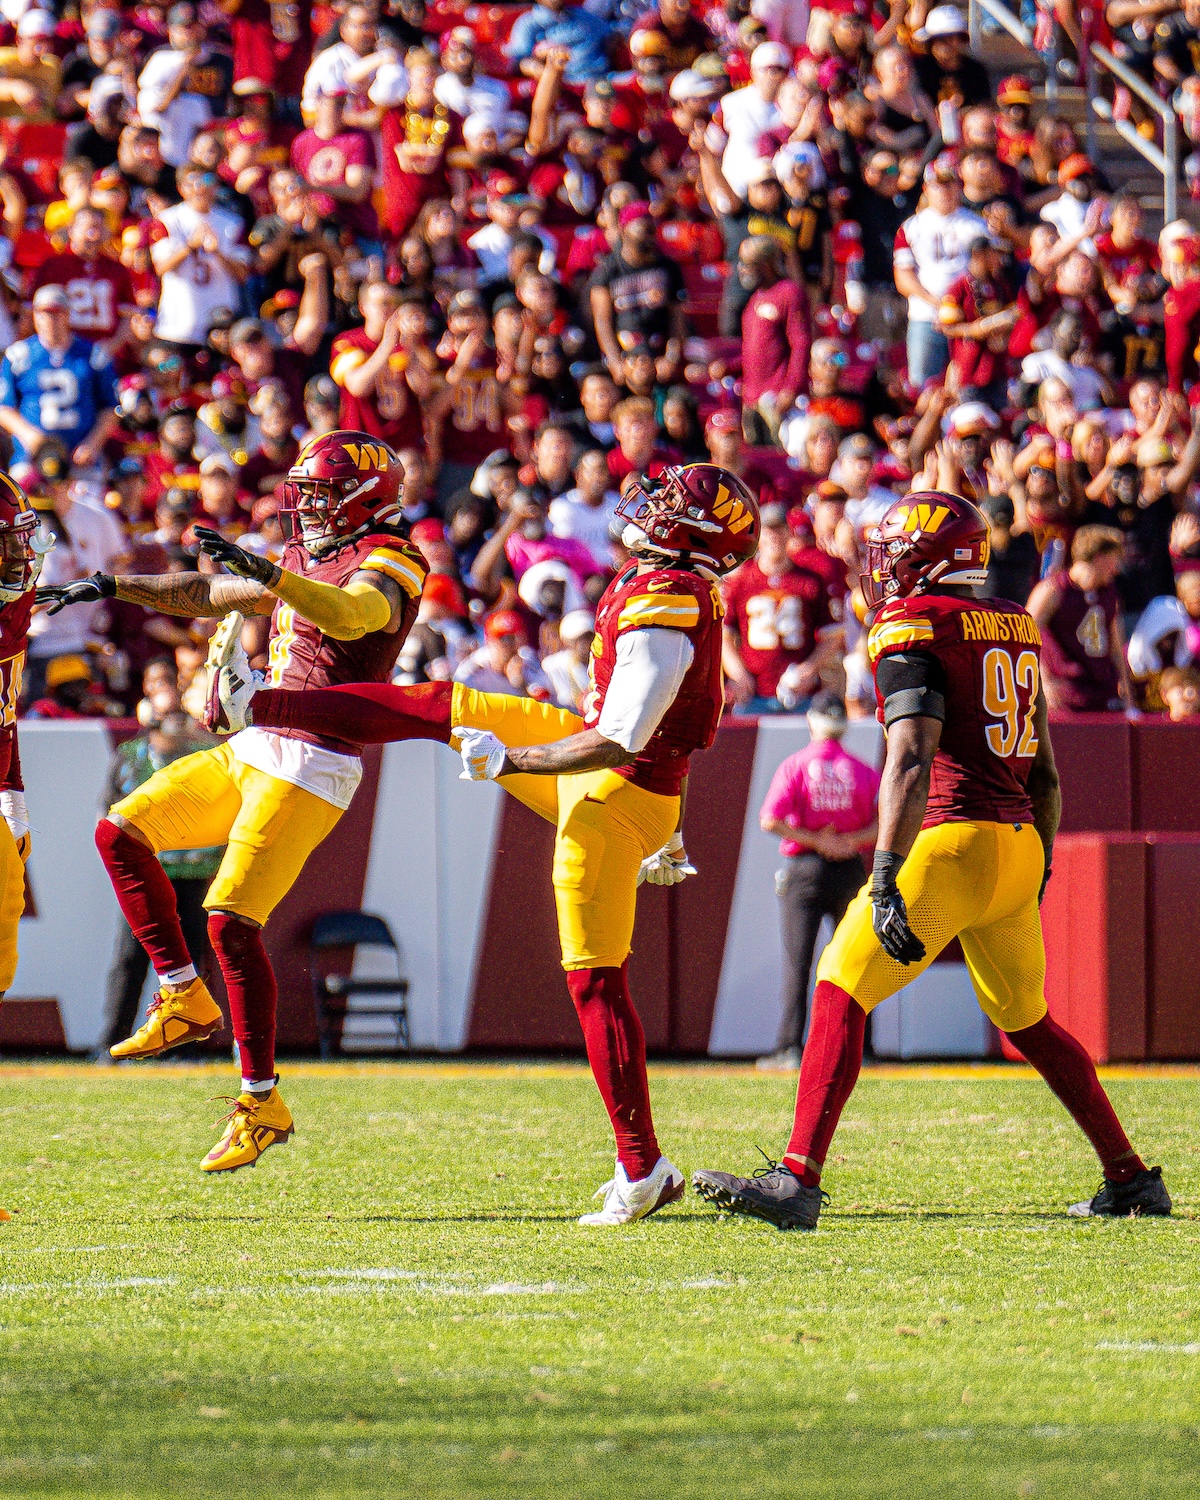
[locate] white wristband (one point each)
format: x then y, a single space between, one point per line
674 844
12 810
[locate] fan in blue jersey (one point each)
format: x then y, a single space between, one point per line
57 385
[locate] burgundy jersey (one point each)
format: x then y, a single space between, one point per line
1078 647
390 411
778 619
989 650
302 657
14 631
98 291
667 599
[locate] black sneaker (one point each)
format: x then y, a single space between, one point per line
774 1193
1143 1195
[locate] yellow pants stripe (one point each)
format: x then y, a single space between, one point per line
977 882
605 827
269 827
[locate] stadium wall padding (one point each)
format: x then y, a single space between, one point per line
461 874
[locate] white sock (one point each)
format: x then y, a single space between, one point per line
179 978
252 1086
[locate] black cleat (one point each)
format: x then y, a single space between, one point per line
774 1193
1142 1196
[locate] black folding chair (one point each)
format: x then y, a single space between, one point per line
332 992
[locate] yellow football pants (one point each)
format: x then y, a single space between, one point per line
977 882
605 827
269 827
12 904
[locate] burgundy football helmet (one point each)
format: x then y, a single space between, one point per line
699 513
341 484
927 538
21 548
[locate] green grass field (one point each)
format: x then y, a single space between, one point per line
399 1302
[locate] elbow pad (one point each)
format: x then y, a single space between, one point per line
344 614
911 684
912 703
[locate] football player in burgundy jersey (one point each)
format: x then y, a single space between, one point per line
968 809
21 553
340 609
611 782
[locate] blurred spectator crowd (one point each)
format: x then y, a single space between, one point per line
545 251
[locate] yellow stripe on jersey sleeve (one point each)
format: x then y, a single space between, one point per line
674 611
898 633
399 568
343 363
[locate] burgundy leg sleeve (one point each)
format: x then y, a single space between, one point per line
828 1073
368 713
250 983
1069 1071
145 896
616 1049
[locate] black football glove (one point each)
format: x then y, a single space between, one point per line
240 562
1049 870
82 591
889 915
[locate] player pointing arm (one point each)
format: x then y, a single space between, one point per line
611 782
340 608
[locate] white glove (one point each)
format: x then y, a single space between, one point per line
12 810
669 866
482 754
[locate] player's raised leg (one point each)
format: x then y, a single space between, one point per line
379 713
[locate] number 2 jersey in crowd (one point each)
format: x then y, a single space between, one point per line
301 656
666 599
984 658
61 393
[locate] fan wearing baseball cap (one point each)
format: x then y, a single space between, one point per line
750 114
930 255
948 71
976 314
30 73
86 425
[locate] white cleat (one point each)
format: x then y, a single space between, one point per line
625 1201
232 683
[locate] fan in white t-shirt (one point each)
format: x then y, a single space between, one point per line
201 262
586 512
749 114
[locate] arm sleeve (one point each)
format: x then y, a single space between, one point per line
344 614
912 685
651 664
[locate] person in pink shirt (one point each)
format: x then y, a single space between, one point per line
822 805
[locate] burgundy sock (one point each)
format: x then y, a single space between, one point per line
370 713
1069 1071
616 1049
828 1073
250 983
145 896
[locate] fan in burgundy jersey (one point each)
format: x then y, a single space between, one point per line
99 289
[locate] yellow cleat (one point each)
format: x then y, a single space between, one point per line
174 1017
254 1124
